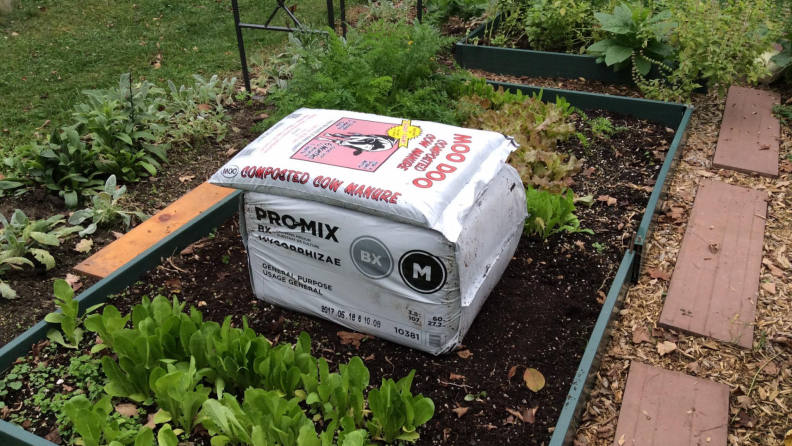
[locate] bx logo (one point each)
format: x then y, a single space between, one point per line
230 171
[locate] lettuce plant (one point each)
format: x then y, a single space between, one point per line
92 422
68 317
106 209
179 393
339 395
396 412
549 213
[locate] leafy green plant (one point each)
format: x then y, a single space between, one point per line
599 247
122 125
90 421
558 25
63 164
549 213
441 10
536 127
68 318
396 73
179 393
264 418
783 113
339 395
22 240
603 128
106 209
396 413
636 37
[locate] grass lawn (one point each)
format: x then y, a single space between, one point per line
50 50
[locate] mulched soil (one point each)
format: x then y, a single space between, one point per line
187 168
540 315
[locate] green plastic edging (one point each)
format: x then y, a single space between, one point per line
11 435
660 192
670 114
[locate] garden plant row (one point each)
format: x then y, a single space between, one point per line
669 49
183 370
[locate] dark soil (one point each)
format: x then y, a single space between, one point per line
540 315
188 166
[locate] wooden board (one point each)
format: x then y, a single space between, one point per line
662 408
749 133
714 285
148 233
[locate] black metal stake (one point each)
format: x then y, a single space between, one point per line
241 45
420 11
267 27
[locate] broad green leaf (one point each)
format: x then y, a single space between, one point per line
44 257
54 318
601 46
642 65
166 436
45 239
6 291
616 54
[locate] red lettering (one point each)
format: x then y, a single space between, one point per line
423 183
335 184
317 181
304 178
436 176
376 194
260 173
445 168
455 157
462 139
351 188
454 148
386 195
394 197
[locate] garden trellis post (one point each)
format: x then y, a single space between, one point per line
238 25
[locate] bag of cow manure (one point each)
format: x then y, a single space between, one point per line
391 227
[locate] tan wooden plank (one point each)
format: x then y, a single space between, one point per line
716 277
661 408
749 135
148 233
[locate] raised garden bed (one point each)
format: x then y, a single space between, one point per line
546 315
470 54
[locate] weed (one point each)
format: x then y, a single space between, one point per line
599 247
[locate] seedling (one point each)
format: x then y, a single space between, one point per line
476 396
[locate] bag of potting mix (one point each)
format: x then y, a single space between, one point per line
391 227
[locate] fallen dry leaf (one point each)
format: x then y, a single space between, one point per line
744 401
529 415
657 273
369 357
512 372
74 281
54 436
770 369
516 414
769 287
665 347
705 173
464 354
640 334
608 199
456 377
204 107
788 438
694 367
84 245
127 409
353 338
173 283
186 178
117 235
534 379
489 427
581 244
460 411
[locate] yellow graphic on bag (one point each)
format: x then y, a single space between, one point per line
404 132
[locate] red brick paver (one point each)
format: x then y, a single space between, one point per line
748 140
716 278
145 235
665 408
